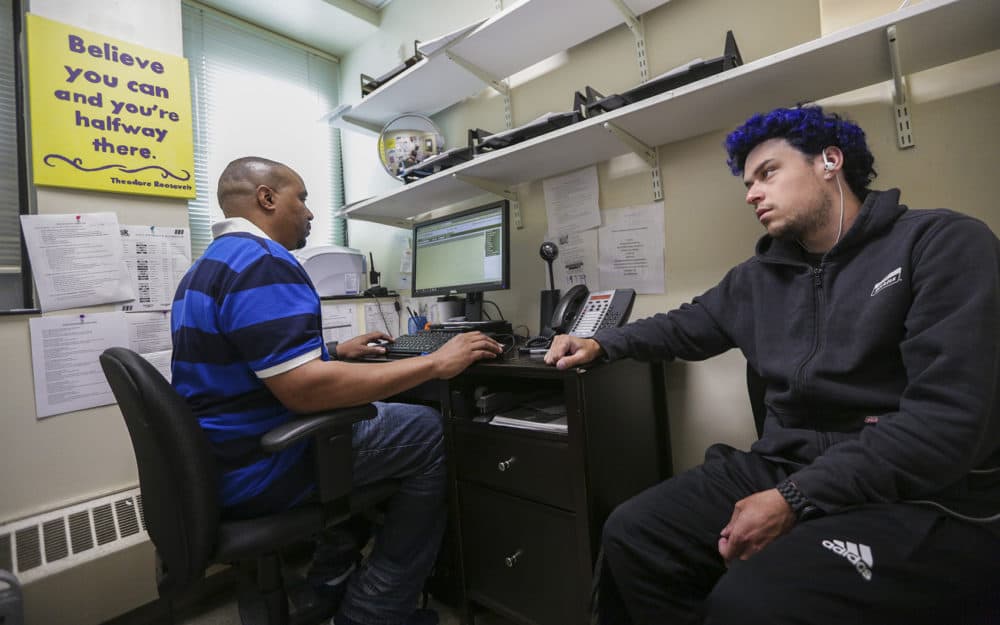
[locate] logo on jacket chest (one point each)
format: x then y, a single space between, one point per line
895 277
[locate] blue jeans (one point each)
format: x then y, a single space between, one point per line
404 442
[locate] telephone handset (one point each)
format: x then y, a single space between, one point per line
582 313
566 310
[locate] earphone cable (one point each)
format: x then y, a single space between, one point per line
840 230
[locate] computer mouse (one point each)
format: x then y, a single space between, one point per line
378 343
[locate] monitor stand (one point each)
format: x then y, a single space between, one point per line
474 306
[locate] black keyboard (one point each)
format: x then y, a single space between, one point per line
416 344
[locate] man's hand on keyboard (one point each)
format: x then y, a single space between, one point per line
359 347
463 350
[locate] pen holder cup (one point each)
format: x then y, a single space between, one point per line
415 324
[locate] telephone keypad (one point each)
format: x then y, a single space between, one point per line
596 314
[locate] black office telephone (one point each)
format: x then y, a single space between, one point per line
582 313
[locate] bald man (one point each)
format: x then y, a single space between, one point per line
249 355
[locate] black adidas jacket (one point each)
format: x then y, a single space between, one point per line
881 364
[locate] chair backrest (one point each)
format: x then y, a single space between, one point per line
177 471
756 388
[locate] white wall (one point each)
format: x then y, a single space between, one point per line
402 22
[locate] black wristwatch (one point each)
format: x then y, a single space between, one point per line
800 504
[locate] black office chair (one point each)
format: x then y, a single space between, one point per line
181 509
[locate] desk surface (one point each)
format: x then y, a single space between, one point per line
513 363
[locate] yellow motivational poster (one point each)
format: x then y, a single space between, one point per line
108 115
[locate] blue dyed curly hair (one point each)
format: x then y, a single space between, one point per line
809 130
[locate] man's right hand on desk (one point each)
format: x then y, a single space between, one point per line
368 344
572 351
461 351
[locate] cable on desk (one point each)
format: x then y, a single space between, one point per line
538 342
486 301
381 312
509 342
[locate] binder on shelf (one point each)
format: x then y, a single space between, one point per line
594 103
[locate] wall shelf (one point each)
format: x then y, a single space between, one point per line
514 39
929 34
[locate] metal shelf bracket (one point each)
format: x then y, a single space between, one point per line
649 154
638 33
901 105
498 189
499 85
346 121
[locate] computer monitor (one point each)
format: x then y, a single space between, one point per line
464 253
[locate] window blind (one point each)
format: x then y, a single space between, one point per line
256 93
10 154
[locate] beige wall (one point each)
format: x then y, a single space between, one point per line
68 458
74 456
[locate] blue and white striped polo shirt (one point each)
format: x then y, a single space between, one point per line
246 310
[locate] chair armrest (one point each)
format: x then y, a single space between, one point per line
284 435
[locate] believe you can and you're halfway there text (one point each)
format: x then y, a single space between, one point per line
103 112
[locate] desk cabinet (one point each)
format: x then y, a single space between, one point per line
528 505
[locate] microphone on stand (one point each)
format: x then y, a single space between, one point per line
550 298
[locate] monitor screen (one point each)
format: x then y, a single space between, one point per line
466 252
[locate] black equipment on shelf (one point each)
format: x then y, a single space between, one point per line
594 103
444 160
548 123
369 84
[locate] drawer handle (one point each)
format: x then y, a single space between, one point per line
512 559
503 465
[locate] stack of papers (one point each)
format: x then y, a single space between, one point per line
547 414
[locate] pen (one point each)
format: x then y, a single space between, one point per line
412 316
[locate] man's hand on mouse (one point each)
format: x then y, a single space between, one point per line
463 350
368 344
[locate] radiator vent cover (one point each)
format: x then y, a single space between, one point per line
54 536
6 557
38 546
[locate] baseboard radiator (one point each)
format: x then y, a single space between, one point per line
41 545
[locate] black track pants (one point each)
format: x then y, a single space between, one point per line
872 565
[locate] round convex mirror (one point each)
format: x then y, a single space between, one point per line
406 141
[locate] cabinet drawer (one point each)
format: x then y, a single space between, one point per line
516 463
522 557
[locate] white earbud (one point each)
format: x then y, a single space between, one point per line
828 165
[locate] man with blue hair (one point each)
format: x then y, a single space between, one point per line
873 494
